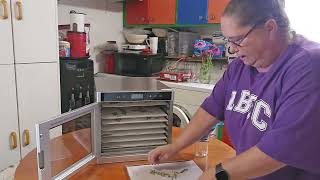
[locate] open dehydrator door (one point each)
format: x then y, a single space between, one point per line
63 151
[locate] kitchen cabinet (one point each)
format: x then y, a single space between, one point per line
162 12
177 12
137 11
192 12
29 73
34 27
150 12
215 10
6 55
38 98
190 99
9 134
187 99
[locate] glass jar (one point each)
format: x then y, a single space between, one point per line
206 70
201 147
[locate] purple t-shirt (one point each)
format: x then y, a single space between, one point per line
277 111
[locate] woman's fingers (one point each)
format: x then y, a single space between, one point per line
154 156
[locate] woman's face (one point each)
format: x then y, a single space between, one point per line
248 42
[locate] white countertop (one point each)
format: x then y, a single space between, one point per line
190 86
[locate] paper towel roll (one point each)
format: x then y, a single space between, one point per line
77 21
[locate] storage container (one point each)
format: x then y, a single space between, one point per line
180 44
131 64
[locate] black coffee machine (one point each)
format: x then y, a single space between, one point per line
77 87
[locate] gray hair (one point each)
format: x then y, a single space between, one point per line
255 12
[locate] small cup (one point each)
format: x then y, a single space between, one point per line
201 147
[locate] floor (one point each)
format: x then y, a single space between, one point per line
8 174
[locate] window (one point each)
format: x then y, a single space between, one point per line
304 17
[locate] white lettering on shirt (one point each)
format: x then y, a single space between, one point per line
230 104
246 103
260 124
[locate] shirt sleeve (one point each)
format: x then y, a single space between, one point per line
215 103
294 136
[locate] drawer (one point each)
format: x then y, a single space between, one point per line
189 97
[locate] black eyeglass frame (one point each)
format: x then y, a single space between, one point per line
239 41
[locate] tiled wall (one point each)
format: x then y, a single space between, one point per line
105 18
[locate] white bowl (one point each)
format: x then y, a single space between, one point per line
135 38
160 32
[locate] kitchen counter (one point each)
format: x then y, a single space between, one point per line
190 86
207 88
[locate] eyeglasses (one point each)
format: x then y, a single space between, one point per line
239 41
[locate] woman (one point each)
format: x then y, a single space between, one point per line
269 99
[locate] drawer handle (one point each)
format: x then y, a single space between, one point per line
13 141
26 138
212 17
5 9
19 5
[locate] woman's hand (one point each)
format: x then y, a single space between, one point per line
162 153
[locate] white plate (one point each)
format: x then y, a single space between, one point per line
143 172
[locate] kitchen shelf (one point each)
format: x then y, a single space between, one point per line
197 59
170 25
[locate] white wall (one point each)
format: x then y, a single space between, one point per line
304 16
105 18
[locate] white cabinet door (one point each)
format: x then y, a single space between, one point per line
188 97
6 44
36 33
38 98
9 154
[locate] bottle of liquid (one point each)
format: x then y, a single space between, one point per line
79 101
72 101
87 98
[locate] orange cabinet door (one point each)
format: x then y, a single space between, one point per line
162 12
137 11
215 10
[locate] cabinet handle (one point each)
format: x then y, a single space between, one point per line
19 5
26 137
13 140
143 19
212 17
5 9
200 18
